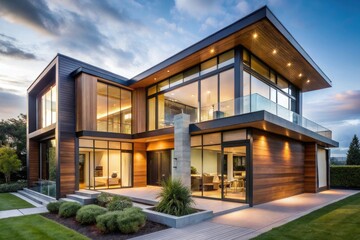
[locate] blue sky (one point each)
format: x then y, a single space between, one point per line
127 37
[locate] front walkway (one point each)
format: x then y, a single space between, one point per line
24 211
251 222
148 195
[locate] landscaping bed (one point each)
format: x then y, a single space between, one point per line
91 231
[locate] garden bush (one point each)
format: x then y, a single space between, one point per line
87 214
69 209
175 199
131 220
12 187
107 222
119 205
345 176
103 199
53 207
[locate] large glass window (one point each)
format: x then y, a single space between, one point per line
104 164
209 98
180 100
151 114
47 105
227 92
113 109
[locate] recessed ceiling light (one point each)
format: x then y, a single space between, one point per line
154 79
172 94
212 50
300 75
308 81
208 92
192 95
274 51
255 35
289 64
168 71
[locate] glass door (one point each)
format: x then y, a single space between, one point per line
234 172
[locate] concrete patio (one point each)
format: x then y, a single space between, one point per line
251 222
147 195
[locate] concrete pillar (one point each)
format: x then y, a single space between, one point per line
181 162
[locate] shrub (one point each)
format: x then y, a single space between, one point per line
12 187
107 222
131 220
53 207
87 214
69 209
345 176
121 198
119 205
104 198
175 199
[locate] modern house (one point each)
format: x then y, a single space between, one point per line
224 115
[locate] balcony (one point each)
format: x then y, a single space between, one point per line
256 102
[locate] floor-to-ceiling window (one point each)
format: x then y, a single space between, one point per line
113 109
47 107
105 164
218 165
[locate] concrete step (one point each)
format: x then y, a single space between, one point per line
33 197
81 199
39 195
68 200
87 193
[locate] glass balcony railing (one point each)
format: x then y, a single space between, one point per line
254 103
247 104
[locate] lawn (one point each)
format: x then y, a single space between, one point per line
9 201
35 227
340 220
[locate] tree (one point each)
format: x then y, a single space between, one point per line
13 135
353 154
9 162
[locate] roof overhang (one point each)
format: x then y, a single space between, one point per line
271 34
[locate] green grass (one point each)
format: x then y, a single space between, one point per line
35 227
340 220
9 201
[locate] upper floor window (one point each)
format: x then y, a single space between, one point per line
113 109
47 107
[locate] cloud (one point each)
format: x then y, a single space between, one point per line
11 105
9 48
337 107
199 8
33 13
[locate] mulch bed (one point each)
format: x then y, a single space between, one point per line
92 232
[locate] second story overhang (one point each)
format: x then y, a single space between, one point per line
261 33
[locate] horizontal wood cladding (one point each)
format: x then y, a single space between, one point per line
310 170
65 126
139 110
85 88
33 161
278 167
140 165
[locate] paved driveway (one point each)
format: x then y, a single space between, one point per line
250 222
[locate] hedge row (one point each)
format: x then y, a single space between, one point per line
12 187
345 177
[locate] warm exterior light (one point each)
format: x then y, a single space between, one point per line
274 51
255 35
168 71
300 75
154 79
208 92
212 50
308 81
289 64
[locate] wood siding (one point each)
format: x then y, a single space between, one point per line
33 151
85 102
140 178
278 167
139 110
310 168
160 145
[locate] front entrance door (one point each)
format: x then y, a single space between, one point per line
82 171
158 166
234 172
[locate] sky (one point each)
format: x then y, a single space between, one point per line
127 37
